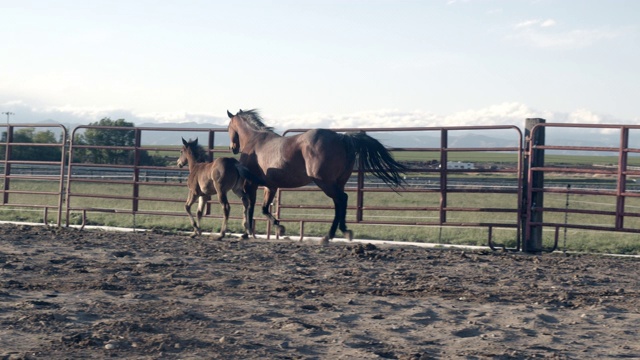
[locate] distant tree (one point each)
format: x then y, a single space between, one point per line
32 153
107 137
98 137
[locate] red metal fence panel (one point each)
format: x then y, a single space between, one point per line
612 205
18 164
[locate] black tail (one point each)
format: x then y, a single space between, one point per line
245 173
377 159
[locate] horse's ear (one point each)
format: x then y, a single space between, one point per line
230 115
195 142
184 142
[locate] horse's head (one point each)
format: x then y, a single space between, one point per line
187 151
233 133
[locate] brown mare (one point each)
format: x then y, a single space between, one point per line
210 178
321 156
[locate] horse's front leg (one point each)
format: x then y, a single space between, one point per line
269 195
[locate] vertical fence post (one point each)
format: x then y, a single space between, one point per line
534 199
621 187
136 170
444 145
7 164
360 190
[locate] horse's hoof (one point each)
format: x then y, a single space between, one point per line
216 237
193 235
324 241
280 230
349 235
246 236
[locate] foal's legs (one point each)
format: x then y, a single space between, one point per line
226 208
202 201
269 194
187 207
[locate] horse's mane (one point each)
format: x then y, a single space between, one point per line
198 151
253 118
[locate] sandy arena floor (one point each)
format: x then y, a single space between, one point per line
66 293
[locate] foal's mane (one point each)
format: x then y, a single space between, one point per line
198 151
253 118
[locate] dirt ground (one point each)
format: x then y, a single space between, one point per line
66 293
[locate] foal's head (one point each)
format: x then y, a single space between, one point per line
189 150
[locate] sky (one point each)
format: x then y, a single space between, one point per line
325 63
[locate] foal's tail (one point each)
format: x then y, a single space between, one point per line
248 175
377 158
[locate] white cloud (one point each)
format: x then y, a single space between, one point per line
451 2
526 24
539 33
511 113
508 113
548 23
535 23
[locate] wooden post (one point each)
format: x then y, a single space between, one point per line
622 178
533 200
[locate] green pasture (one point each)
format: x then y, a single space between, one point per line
166 201
551 157
507 157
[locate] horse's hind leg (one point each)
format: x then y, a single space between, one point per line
269 194
342 217
339 221
226 209
246 203
340 198
249 202
202 201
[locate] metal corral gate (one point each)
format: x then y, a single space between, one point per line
48 174
610 201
